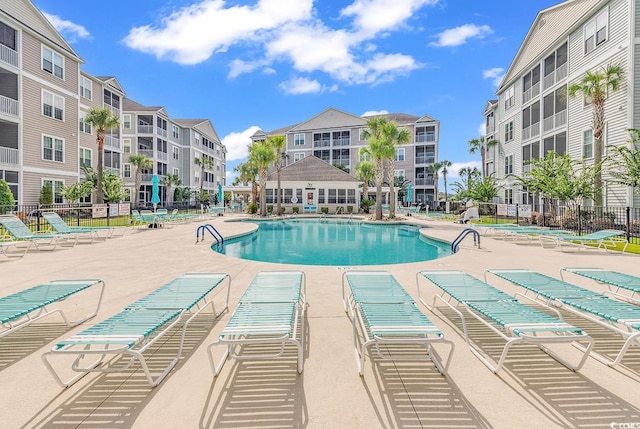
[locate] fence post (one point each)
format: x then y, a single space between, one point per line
579 220
628 223
542 211
108 212
78 215
517 215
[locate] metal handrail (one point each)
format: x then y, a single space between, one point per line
463 234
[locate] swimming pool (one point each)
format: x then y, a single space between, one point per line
334 242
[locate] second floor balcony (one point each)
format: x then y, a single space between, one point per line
534 91
8 55
557 120
111 142
145 128
322 143
343 141
9 106
531 131
425 159
146 152
9 156
425 137
428 181
161 132
555 76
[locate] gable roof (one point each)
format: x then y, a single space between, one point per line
311 168
130 105
491 105
203 126
112 82
330 118
551 26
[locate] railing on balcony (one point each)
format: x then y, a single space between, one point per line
531 131
8 156
526 167
8 55
344 141
425 137
9 106
146 177
322 143
146 152
112 142
424 182
112 170
145 129
163 156
490 129
161 132
114 110
555 76
557 120
531 92
425 159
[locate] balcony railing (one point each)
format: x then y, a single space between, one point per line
145 129
8 55
555 76
322 143
531 92
424 182
345 141
146 152
425 159
557 120
425 137
163 156
9 106
112 170
161 132
112 142
531 131
8 156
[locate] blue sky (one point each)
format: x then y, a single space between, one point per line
245 64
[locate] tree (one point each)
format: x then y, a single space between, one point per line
6 197
485 189
141 162
247 173
435 170
262 156
113 188
395 137
595 86
480 145
625 161
203 162
445 163
168 182
365 171
379 149
77 191
102 120
278 144
46 195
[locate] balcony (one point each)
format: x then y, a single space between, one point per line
146 152
428 159
8 55
557 120
111 142
424 182
145 129
163 156
534 91
531 131
425 137
161 132
345 141
556 76
322 143
9 106
9 156
112 170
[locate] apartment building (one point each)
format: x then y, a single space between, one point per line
336 137
176 146
44 98
534 113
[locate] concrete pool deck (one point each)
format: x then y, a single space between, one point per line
533 391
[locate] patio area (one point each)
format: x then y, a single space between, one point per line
532 391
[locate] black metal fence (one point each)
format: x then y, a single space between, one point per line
579 219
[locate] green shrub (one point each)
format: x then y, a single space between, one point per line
269 209
349 209
252 208
6 197
324 210
282 211
295 209
46 195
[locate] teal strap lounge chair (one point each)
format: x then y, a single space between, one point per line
90 232
14 249
505 315
387 316
621 285
270 312
619 317
604 239
49 241
24 308
128 334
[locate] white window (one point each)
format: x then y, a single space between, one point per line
86 87
126 145
508 196
126 169
399 154
196 175
364 155
509 98
508 131
508 164
175 153
298 156
595 31
57 186
175 132
126 122
85 157
84 127
587 144
196 137
398 174
176 171
52 62
52 149
298 139
52 105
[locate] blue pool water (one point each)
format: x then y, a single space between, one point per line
334 242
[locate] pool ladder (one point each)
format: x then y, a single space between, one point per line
463 234
213 231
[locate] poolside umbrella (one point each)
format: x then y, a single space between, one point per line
155 191
219 194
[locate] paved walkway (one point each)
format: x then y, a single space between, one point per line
533 391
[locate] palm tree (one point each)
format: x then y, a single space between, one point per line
396 137
278 144
626 162
168 182
102 120
468 174
595 86
141 162
379 150
247 174
445 163
435 170
480 145
365 171
262 156
203 162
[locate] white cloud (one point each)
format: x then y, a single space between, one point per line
301 85
496 73
457 166
284 31
68 29
237 143
375 112
482 129
459 35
